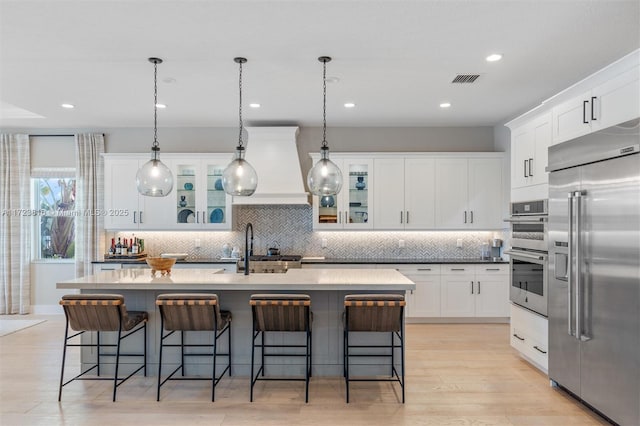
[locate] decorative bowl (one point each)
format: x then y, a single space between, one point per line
160 264
188 186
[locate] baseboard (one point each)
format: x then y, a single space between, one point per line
47 310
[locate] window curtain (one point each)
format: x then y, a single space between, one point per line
15 224
89 200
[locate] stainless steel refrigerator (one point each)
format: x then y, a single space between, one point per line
594 270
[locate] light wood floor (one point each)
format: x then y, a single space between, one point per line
457 374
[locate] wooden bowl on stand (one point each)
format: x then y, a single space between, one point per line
161 264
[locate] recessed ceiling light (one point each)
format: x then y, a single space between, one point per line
445 105
161 106
494 57
254 105
68 106
349 105
332 80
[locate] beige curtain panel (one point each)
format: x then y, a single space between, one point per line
89 198
15 227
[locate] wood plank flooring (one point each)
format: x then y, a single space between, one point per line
457 374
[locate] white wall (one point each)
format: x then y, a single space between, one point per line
44 276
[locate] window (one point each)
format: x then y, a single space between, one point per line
54 202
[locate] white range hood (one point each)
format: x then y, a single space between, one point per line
273 152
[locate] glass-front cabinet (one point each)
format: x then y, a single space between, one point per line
199 198
352 207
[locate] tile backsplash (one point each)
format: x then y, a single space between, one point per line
291 228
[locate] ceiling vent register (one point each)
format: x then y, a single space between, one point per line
465 78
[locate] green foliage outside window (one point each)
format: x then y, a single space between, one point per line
56 201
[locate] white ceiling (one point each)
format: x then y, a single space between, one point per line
394 59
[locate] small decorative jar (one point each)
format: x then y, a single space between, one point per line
360 183
183 201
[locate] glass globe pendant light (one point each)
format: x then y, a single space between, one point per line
325 177
240 178
154 179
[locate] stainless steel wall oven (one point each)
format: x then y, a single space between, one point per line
528 255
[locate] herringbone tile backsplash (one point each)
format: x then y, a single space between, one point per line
291 228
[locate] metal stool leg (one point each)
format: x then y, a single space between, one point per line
64 356
346 371
229 338
160 356
115 376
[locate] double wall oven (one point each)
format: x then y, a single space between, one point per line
529 255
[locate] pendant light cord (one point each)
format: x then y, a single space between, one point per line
155 146
324 104
240 104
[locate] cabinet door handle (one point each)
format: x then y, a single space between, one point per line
593 115
339 217
471 216
584 112
141 216
530 166
471 287
407 216
346 216
204 216
401 216
457 269
525 168
197 216
134 217
424 269
492 269
478 287
518 337
465 216
539 350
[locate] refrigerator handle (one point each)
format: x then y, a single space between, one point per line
570 266
580 312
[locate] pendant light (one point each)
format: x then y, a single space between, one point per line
240 178
154 179
325 177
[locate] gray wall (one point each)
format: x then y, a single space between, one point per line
341 139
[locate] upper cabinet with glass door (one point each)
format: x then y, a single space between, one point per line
352 207
200 200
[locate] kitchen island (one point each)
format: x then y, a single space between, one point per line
326 287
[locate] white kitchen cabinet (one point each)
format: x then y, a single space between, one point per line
125 208
404 193
529 335
492 290
475 291
199 200
424 301
612 102
195 189
352 208
468 193
529 158
457 291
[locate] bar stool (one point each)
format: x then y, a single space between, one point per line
382 313
101 312
280 312
193 312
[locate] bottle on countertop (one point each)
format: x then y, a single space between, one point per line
125 248
112 247
134 246
119 247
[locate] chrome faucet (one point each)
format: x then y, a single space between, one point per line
248 250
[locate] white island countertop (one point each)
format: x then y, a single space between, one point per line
213 279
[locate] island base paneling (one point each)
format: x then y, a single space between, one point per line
327 307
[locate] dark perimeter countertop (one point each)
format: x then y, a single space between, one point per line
320 261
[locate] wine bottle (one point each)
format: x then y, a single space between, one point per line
119 247
124 248
112 248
